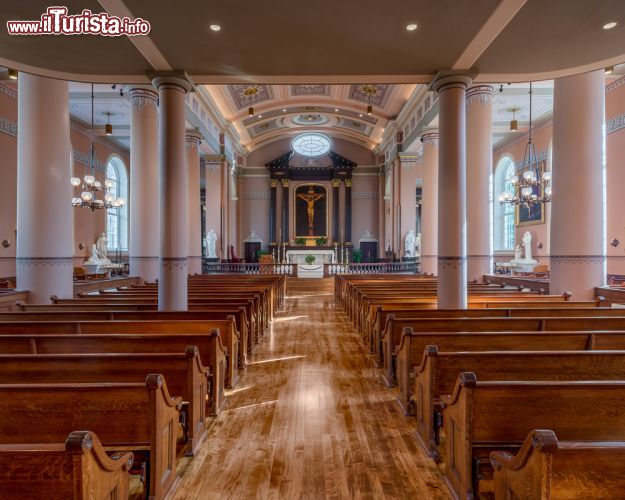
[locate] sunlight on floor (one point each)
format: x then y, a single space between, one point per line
286 358
262 403
288 318
309 296
230 392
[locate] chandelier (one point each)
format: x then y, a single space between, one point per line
531 187
89 186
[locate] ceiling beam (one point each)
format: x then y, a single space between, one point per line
498 20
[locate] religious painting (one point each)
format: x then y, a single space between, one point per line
536 213
311 211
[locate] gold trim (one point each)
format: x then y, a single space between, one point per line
285 183
336 183
294 216
273 183
348 183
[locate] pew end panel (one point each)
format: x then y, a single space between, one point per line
546 468
79 469
404 366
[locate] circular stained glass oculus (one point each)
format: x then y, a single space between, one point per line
311 144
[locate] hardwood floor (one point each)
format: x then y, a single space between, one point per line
310 419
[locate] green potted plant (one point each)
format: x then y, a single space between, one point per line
310 259
322 240
300 241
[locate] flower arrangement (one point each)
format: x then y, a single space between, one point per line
310 259
322 240
300 241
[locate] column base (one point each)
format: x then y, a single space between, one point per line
195 264
45 276
452 282
172 284
147 268
478 266
429 264
578 274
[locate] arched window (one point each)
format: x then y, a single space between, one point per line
504 214
117 218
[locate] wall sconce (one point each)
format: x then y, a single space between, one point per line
615 242
81 246
6 243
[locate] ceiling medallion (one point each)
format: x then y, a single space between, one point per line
250 91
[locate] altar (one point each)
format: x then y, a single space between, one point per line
322 256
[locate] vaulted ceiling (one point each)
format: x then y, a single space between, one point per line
338 110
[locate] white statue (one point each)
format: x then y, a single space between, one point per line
409 244
101 245
367 235
417 249
518 253
211 244
527 244
93 260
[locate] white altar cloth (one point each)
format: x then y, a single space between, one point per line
299 256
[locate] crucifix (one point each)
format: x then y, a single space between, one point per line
311 198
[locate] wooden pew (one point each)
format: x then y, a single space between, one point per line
412 346
78 469
548 469
228 338
185 375
484 416
438 372
209 347
395 329
238 330
142 418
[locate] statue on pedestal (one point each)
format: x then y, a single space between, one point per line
211 244
527 244
409 244
99 251
524 263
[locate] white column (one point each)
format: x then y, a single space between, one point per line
45 217
452 265
145 231
225 210
479 105
577 210
194 219
429 205
172 284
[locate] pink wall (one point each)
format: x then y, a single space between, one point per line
410 171
87 225
364 207
254 201
213 201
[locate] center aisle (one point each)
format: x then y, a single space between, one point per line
310 418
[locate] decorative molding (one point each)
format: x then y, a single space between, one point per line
430 138
348 183
143 97
8 90
615 124
619 82
481 93
451 262
174 263
577 259
45 261
8 127
363 195
256 196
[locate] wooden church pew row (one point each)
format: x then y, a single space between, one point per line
78 469
546 468
413 345
142 418
484 416
184 373
239 327
130 312
276 282
225 329
395 329
376 325
438 372
253 314
209 347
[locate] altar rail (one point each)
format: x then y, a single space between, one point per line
329 269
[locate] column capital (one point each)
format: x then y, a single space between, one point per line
348 183
285 183
178 79
193 139
142 95
480 93
273 183
430 137
336 182
448 79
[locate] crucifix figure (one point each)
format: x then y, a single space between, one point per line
311 198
